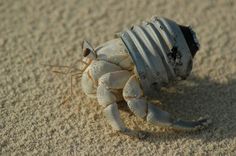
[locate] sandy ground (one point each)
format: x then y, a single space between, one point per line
32 118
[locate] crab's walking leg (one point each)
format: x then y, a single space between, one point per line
108 84
133 95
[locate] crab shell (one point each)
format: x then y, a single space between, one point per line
161 50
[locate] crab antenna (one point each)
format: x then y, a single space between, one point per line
80 60
59 72
62 66
71 81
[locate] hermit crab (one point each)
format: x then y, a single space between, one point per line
135 65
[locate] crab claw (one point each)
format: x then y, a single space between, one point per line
190 125
162 118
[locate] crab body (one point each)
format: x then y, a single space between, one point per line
134 65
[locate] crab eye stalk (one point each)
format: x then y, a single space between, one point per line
88 50
191 39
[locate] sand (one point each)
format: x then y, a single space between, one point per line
32 119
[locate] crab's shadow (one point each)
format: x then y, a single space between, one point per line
197 97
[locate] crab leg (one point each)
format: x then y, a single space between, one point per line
133 95
107 85
159 117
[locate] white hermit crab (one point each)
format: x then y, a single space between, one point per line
135 65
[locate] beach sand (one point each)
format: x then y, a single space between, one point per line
34 121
